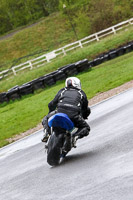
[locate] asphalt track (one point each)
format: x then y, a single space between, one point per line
100 168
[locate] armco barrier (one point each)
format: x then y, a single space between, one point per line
62 73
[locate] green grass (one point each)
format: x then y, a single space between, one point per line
36 38
50 33
90 52
21 115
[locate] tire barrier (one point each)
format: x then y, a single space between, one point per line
26 89
3 97
91 63
120 51
48 79
62 73
37 84
59 75
69 70
112 54
105 57
14 93
97 61
128 48
82 65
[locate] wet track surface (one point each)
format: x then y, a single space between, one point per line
100 168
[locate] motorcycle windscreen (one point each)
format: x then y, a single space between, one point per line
61 120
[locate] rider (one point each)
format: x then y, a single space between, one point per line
72 101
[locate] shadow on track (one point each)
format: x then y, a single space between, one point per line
80 156
75 158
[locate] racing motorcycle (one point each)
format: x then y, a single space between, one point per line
61 140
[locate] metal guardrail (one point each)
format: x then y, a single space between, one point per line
41 60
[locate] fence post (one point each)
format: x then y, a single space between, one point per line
47 59
64 51
113 29
97 38
80 44
130 21
31 66
14 72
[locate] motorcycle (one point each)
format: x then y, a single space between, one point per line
61 140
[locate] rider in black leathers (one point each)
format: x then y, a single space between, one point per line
72 101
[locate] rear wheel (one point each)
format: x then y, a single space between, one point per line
54 149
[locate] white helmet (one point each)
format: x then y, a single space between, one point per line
73 81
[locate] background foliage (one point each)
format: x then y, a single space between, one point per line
50 26
100 13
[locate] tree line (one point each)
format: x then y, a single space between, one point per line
15 13
86 16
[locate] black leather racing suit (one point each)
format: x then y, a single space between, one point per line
74 103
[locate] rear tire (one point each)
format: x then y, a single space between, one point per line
54 149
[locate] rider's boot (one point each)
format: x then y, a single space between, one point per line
67 144
74 140
82 132
45 136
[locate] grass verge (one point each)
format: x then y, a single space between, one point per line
89 52
21 115
48 34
